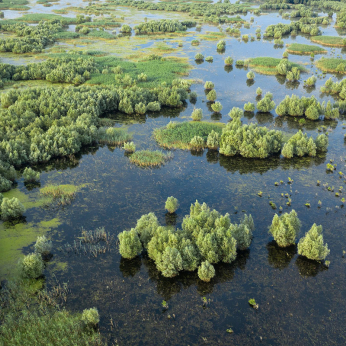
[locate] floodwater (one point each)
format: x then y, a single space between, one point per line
301 302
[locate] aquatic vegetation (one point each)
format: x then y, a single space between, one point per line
195 43
216 107
297 48
221 45
209 85
206 235
272 66
130 245
334 41
125 29
266 104
209 59
91 317
206 271
199 57
258 91
147 158
43 246
181 134
308 106
171 204
300 145
30 175
211 96
213 140
197 114
312 245
293 75
130 147
285 228
197 143
60 194
250 75
338 88
228 61
11 208
238 139
310 82
253 303
31 266
161 26
249 107
332 65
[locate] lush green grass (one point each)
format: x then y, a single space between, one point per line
330 64
66 35
157 71
267 65
16 5
101 34
297 48
333 41
181 134
113 136
37 17
147 158
30 316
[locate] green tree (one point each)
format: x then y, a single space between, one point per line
130 245
206 271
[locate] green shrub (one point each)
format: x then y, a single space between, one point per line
125 29
112 135
160 26
31 266
206 271
211 96
197 114
130 245
258 91
216 107
250 75
11 208
209 59
285 228
90 317
310 82
197 143
43 246
130 147
293 75
266 104
248 140
300 145
249 107
171 204
170 263
213 140
5 184
195 43
312 245
221 45
239 63
145 227
30 175
142 77
199 57
208 85
242 233
228 61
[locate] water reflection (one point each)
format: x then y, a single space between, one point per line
279 257
308 267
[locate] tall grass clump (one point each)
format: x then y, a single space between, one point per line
129 147
112 136
147 158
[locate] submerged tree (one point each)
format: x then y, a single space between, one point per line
130 245
312 245
285 228
171 204
206 271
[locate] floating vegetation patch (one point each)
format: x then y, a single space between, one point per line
147 158
267 65
60 195
332 65
333 41
297 48
179 135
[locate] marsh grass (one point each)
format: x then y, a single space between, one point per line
334 41
37 17
267 65
180 135
113 136
60 194
147 158
297 48
330 65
